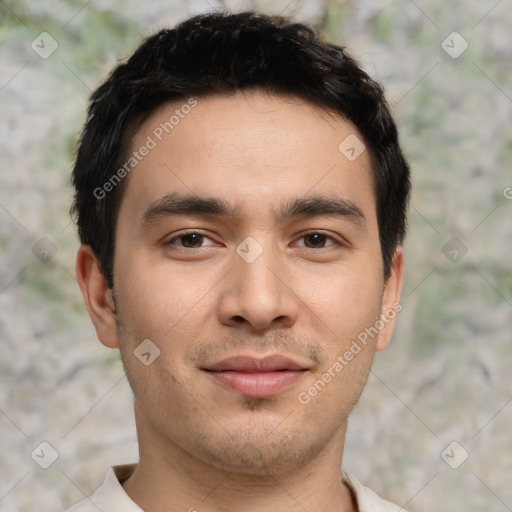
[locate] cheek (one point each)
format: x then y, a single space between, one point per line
158 299
346 300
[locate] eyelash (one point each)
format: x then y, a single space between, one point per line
183 234
195 232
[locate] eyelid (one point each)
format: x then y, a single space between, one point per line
340 241
185 232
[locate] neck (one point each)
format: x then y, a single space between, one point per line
169 478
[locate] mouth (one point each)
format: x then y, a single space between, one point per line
257 377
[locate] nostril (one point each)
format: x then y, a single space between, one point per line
240 319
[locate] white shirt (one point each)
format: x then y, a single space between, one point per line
111 497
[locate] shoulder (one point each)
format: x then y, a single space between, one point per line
110 497
83 506
367 500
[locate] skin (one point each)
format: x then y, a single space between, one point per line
201 445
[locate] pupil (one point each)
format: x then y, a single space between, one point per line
192 239
316 238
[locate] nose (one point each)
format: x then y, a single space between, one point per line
258 294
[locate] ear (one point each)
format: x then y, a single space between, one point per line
391 305
97 296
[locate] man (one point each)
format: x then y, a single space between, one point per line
241 201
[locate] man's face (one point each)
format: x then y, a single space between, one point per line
262 278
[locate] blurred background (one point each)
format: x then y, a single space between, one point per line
433 428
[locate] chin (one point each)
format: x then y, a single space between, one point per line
262 453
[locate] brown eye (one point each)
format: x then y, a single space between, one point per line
192 240
315 240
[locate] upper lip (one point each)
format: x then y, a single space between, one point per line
250 364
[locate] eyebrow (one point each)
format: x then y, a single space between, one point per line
314 206
187 204
320 206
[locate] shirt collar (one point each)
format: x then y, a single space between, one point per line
112 496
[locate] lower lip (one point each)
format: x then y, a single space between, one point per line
257 385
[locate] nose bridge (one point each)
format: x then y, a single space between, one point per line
257 273
257 291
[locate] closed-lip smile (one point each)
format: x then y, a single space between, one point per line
257 377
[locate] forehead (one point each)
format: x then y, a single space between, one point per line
252 148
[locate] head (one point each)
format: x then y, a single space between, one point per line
240 190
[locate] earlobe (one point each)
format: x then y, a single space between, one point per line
391 305
97 296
